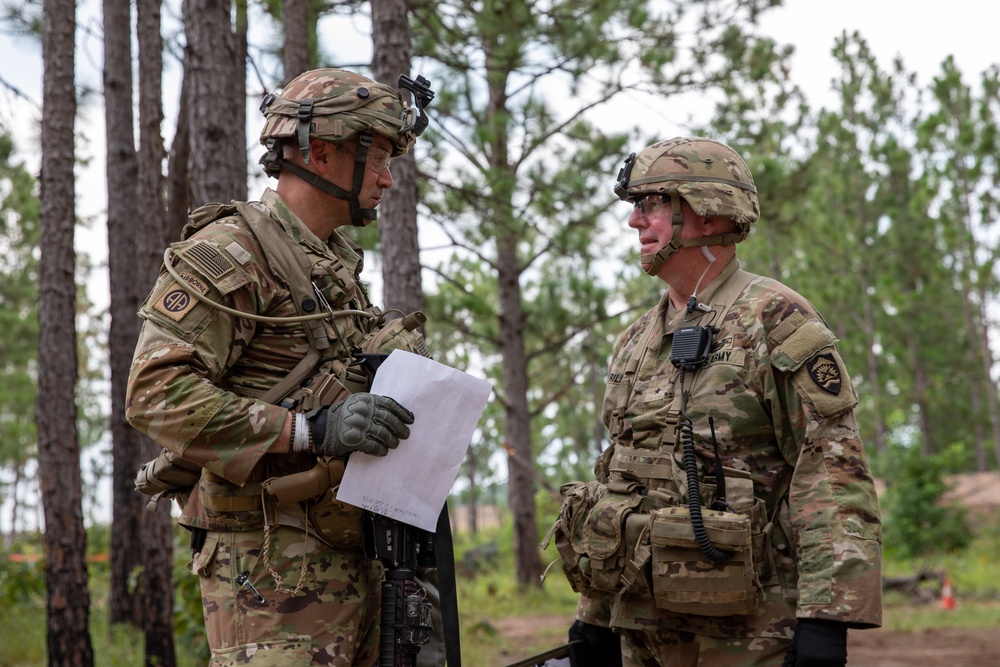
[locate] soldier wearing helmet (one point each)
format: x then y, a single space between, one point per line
733 521
250 371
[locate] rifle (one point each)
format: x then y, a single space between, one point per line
406 614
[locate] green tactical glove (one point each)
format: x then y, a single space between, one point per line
362 422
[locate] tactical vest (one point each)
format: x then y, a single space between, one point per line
302 488
634 533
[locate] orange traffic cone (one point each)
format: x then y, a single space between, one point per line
947 596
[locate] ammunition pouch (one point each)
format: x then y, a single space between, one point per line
683 579
167 476
686 581
596 532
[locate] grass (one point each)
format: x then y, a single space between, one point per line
486 598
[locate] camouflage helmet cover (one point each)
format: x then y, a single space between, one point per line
342 104
710 176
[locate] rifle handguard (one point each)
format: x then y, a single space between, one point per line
308 484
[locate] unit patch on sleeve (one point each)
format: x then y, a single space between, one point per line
177 301
825 372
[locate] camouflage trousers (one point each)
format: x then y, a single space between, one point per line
280 599
672 648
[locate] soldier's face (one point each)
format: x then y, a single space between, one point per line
378 178
651 218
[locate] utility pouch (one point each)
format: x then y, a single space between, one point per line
333 382
335 522
578 498
399 334
167 476
604 534
685 580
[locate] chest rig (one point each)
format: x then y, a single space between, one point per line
652 466
347 336
643 531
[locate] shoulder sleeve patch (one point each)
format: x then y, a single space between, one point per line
825 372
823 381
177 301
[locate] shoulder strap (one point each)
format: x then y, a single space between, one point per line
289 262
727 294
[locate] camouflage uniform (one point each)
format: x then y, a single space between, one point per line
782 406
283 581
193 388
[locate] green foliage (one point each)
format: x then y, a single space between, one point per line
22 573
19 236
915 521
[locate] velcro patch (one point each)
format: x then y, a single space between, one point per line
207 258
825 372
176 301
238 252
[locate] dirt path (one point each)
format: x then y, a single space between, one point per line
938 647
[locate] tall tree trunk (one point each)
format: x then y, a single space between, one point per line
67 599
521 460
215 65
295 51
123 604
157 583
178 176
398 211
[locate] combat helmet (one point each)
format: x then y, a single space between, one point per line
710 176
335 105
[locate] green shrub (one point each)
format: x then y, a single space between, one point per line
915 521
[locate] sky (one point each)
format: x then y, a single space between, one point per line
923 33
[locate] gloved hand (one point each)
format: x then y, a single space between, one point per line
818 643
362 422
594 646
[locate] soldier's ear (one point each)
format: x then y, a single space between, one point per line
320 151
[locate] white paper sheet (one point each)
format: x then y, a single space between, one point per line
412 482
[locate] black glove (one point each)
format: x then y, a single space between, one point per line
818 643
594 646
362 422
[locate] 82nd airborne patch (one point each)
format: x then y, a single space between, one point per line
825 372
176 301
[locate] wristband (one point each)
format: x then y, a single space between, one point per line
300 434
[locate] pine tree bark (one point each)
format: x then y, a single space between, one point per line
123 604
67 598
156 587
397 223
215 68
295 51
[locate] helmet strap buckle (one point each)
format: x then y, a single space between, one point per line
305 125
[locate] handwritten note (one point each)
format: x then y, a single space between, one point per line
412 482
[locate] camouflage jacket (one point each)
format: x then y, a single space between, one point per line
197 372
782 405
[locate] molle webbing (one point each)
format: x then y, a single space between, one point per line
629 460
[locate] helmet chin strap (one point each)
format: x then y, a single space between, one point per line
273 163
657 260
